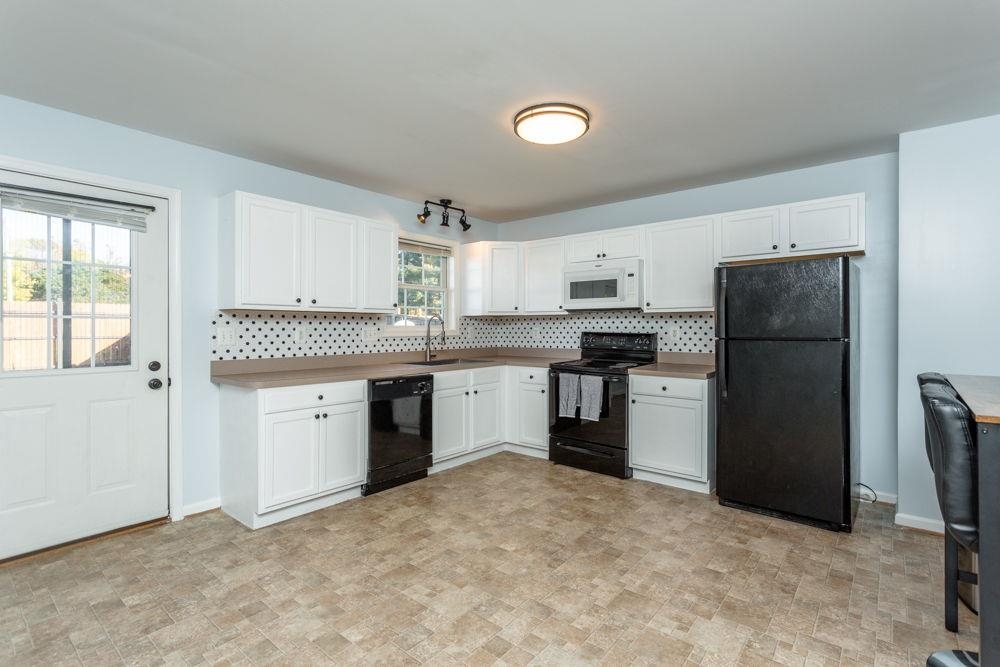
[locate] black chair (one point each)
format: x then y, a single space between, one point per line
951 447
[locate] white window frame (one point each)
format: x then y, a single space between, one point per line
452 294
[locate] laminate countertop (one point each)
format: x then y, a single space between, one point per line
981 393
299 376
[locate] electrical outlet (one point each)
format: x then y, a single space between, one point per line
225 335
372 334
674 334
536 334
301 334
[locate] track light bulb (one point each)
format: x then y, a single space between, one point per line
422 217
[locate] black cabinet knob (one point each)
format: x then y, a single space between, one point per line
604 254
664 388
515 307
775 247
598 255
314 300
543 391
395 305
466 393
475 391
560 306
298 300
324 415
793 245
633 400
155 383
648 303
320 397
531 377
154 366
316 416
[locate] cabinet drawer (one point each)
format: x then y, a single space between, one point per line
451 380
666 386
533 375
297 398
486 375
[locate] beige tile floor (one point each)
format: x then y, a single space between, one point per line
508 560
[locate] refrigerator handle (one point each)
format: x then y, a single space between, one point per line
720 362
720 315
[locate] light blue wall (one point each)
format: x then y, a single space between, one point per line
42 134
877 177
949 308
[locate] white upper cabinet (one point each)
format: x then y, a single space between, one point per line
543 267
753 233
332 264
679 265
491 278
826 224
617 244
379 275
270 270
283 255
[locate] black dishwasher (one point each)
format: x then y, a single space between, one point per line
399 431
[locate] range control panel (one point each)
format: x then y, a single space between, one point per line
632 342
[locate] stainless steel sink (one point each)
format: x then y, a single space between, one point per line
444 362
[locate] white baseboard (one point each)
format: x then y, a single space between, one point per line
526 451
202 506
923 523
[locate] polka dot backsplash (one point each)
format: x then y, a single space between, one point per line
267 335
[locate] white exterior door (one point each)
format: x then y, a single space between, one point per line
451 423
333 259
271 270
83 320
543 269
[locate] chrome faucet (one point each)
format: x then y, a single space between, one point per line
427 352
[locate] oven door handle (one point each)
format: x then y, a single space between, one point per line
588 452
605 378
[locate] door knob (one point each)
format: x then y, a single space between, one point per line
154 366
155 383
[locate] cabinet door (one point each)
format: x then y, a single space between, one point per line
379 266
343 446
450 423
667 435
543 267
585 248
679 270
750 233
621 245
824 224
331 247
271 240
532 415
503 273
487 408
290 462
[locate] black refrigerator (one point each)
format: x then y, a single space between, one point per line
787 389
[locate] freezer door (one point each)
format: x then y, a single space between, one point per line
782 433
804 299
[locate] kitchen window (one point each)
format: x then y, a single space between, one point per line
426 286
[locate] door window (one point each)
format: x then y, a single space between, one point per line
67 294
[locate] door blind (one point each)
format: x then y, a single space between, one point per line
102 211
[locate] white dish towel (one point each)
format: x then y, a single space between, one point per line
569 394
591 393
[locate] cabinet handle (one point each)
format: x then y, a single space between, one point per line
475 391
531 377
598 255
515 307
648 304
324 415
320 397
466 393
604 254
543 391
395 305
298 300
775 247
633 400
663 388
314 300
793 245
316 416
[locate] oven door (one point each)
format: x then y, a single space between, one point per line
610 430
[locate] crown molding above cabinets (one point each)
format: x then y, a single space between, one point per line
279 255
679 256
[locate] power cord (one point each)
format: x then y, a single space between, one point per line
874 495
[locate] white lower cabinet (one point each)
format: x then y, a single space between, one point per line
671 431
468 411
292 450
532 419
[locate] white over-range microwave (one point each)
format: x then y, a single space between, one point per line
607 284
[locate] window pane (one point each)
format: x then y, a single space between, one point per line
73 342
113 342
24 234
79 241
435 300
432 277
112 245
23 287
26 343
415 297
113 292
70 287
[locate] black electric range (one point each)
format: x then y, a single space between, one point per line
601 445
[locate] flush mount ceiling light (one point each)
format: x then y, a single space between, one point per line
551 123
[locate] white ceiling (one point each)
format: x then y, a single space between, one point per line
416 98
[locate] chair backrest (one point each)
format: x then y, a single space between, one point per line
951 439
938 379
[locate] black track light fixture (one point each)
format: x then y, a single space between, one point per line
446 207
